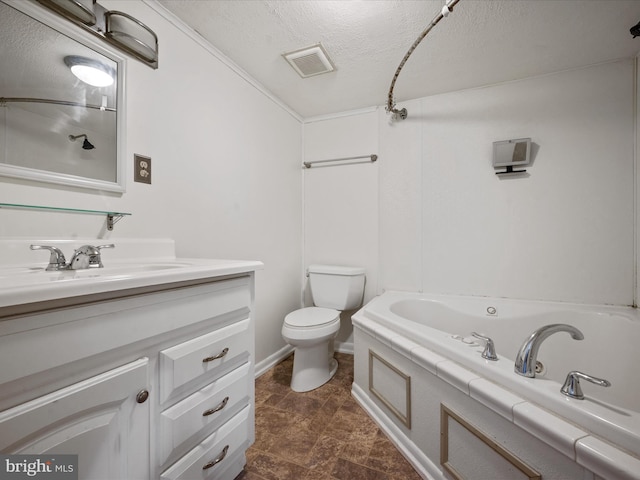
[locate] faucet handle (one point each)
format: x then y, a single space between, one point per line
97 260
571 387
57 260
88 256
489 352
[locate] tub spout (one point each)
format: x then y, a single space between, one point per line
525 364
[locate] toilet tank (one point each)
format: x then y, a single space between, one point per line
338 287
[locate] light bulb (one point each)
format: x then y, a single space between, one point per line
91 71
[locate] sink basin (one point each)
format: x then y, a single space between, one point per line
126 269
30 275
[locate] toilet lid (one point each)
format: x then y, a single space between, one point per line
312 317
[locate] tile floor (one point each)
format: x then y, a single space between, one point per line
318 435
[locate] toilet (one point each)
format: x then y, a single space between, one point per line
311 330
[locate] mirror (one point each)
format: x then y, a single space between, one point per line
54 127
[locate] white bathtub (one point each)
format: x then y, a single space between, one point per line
442 324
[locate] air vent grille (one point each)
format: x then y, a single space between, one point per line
310 61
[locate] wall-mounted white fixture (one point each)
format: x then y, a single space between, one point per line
119 29
90 71
511 153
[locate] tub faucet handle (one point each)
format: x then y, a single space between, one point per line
489 352
571 387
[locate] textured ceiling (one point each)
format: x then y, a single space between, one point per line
482 42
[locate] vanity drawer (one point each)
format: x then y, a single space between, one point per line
208 408
208 354
216 452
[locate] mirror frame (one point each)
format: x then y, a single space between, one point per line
77 34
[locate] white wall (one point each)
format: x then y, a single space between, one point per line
563 232
341 200
447 224
225 173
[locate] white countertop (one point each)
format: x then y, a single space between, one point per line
23 284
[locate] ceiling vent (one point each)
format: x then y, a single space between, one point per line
310 61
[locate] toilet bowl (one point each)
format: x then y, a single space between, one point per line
310 330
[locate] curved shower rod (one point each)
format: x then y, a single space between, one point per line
5 100
391 106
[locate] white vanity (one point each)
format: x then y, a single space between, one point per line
143 368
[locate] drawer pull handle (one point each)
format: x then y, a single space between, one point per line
216 357
213 410
218 459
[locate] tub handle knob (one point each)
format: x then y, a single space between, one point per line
571 387
489 352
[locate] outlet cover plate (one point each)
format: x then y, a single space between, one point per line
142 169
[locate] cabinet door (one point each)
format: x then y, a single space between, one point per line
98 419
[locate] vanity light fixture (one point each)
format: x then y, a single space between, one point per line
132 36
76 10
90 71
117 28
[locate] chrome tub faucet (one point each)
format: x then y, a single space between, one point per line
525 364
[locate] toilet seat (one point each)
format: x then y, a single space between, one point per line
311 317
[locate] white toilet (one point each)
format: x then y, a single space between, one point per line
311 330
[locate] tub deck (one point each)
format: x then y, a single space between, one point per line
434 333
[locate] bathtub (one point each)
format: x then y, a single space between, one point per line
600 432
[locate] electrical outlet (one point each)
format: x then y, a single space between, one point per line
142 169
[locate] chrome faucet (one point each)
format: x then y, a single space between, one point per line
57 260
525 364
87 256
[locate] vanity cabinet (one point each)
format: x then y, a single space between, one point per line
156 383
100 414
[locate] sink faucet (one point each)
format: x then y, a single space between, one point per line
525 364
86 256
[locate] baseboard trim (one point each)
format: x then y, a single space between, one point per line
272 360
343 347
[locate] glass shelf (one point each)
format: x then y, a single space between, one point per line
112 217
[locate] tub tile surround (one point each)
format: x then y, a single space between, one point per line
552 430
426 358
455 375
483 391
581 446
606 461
